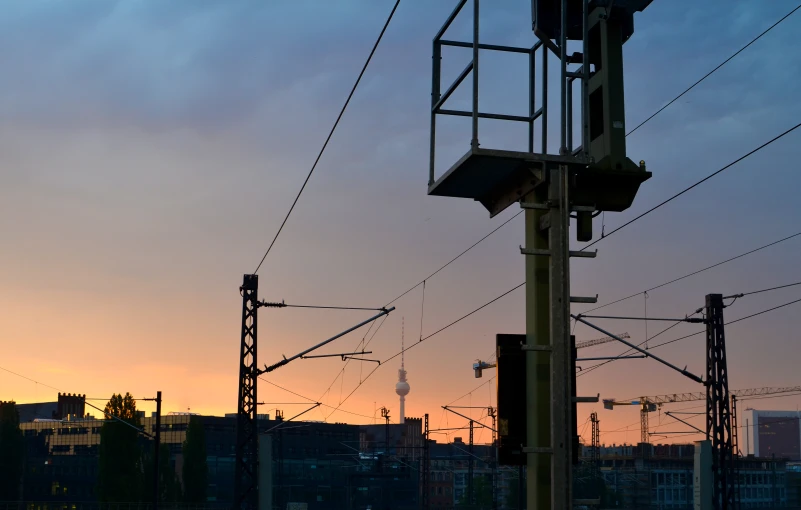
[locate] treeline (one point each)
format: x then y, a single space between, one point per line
126 458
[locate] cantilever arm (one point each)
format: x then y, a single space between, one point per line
325 342
684 371
315 406
468 418
668 413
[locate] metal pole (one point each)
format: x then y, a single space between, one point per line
544 99
561 370
426 466
470 496
247 463
585 81
494 414
435 95
156 454
563 80
474 141
532 96
718 419
538 363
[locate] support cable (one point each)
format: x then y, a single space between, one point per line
422 310
735 296
591 244
628 351
685 190
421 282
707 75
697 272
314 401
645 315
701 332
331 133
284 305
426 338
454 259
29 379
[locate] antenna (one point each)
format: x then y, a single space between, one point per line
403 327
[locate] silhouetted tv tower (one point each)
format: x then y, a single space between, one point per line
402 387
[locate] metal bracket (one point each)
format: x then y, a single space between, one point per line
531 205
542 348
545 222
532 251
579 299
587 400
583 208
537 449
573 253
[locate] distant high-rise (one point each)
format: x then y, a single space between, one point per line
402 387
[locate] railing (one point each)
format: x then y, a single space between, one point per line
438 99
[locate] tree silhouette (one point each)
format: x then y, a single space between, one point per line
120 476
482 495
12 450
195 469
169 486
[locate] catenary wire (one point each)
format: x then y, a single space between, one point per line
314 401
29 379
647 339
685 190
331 133
284 305
762 290
730 323
707 75
454 259
422 282
696 272
638 217
702 332
426 338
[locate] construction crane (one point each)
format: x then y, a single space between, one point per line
651 404
479 366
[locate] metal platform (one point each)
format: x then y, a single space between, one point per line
499 178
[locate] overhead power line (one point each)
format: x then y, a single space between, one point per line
314 401
647 212
763 290
426 338
696 272
422 282
701 332
707 75
685 190
29 379
473 390
331 133
454 259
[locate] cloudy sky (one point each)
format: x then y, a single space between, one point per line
150 150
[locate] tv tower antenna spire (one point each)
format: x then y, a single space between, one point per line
402 387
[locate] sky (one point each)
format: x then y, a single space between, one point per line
150 150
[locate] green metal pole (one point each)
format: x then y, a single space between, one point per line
538 363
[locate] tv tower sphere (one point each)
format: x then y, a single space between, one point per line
402 387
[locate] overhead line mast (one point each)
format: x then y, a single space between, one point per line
551 188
